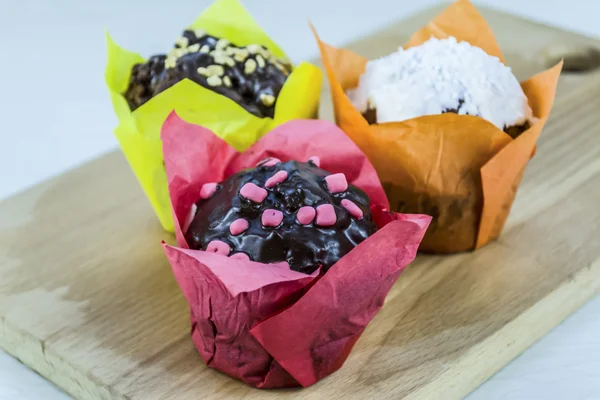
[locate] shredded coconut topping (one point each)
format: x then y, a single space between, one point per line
438 76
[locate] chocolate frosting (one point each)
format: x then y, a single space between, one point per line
304 247
250 76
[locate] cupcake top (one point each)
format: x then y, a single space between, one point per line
441 75
250 75
290 212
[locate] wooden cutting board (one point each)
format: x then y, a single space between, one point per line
88 300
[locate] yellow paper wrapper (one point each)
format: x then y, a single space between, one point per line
460 169
138 132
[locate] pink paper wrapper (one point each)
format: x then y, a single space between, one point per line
265 324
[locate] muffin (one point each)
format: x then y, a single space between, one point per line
252 232
291 212
442 76
445 123
224 72
249 75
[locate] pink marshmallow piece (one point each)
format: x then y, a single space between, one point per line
271 217
337 183
306 215
253 192
316 160
269 162
208 189
218 247
352 208
326 215
240 256
238 226
276 179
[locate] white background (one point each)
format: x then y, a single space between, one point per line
53 99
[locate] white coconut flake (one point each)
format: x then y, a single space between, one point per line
441 75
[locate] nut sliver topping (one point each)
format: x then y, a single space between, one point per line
267 99
214 80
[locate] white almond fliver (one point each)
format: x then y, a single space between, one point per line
441 75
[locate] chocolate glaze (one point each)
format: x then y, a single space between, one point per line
150 78
303 247
513 130
143 81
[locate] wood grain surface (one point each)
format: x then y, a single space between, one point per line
88 300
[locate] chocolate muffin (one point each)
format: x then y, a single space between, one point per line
442 76
251 76
290 212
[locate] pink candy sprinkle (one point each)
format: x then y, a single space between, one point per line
326 215
306 215
336 183
253 192
238 226
352 208
316 160
240 256
269 162
276 179
218 247
208 189
271 217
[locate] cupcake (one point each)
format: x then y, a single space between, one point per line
249 75
445 123
224 73
285 252
442 76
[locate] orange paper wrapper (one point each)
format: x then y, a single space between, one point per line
266 324
460 169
